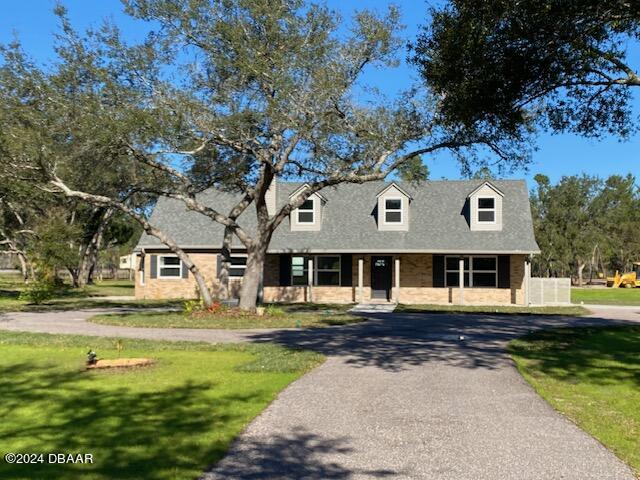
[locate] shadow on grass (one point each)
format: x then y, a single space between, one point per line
131 434
313 307
602 356
299 454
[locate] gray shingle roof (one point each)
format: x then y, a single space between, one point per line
437 221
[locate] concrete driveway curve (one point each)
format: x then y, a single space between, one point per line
401 397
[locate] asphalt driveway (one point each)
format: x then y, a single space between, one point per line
400 396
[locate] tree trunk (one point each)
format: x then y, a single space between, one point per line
581 266
225 255
91 250
75 278
252 280
25 267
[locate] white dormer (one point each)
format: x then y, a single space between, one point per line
485 207
393 209
308 217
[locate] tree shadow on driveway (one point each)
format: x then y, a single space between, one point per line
298 454
398 341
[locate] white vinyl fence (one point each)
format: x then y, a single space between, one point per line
549 291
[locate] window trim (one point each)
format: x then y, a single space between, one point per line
305 269
243 267
385 210
141 270
470 270
313 212
168 277
494 210
316 270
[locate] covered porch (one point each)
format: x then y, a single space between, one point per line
412 278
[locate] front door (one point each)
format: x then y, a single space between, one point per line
381 277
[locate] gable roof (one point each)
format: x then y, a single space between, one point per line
301 188
438 221
488 184
394 185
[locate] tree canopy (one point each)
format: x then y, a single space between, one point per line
509 63
229 95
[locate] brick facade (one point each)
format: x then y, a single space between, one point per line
416 283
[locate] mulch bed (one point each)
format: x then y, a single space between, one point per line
121 363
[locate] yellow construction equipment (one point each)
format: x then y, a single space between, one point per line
626 280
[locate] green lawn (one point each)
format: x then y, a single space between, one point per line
591 375
570 310
606 296
289 316
168 421
90 297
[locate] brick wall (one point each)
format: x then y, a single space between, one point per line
155 288
416 283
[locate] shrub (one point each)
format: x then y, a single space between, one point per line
191 306
38 292
274 311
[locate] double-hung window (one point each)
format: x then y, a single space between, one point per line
237 266
478 271
299 271
306 212
393 210
485 272
327 270
452 271
486 210
169 266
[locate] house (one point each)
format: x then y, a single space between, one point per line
437 242
128 262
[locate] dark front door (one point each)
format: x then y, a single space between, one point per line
380 277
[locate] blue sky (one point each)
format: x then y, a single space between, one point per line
34 23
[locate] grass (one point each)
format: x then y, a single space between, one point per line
606 296
591 375
90 297
168 421
288 316
507 310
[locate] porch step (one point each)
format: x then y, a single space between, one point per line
386 307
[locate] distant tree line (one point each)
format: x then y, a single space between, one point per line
47 233
586 226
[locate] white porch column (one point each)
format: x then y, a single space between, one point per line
397 268
527 281
360 280
461 282
310 279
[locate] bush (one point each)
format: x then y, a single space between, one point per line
274 311
38 292
191 306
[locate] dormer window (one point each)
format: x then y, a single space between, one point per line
308 216
393 210
306 212
486 210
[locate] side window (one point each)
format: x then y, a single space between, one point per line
238 266
486 210
169 267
